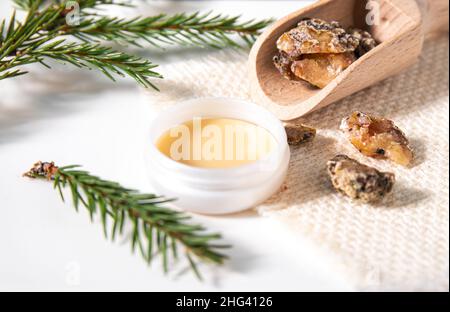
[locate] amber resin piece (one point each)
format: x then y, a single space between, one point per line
358 181
313 36
298 134
366 42
318 51
377 137
320 69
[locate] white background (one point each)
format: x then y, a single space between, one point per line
78 117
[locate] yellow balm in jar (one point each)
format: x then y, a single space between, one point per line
216 142
232 157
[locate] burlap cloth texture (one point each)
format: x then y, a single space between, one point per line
402 244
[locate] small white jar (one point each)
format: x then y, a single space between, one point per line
217 190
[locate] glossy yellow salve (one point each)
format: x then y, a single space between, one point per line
216 143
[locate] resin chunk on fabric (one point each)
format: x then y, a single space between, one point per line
298 134
358 181
377 137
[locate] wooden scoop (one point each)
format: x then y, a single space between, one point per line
400 31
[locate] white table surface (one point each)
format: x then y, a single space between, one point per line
77 117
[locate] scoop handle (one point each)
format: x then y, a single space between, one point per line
435 15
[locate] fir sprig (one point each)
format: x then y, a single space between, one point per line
196 29
32 42
156 229
108 61
26 4
27 42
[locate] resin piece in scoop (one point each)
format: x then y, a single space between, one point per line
377 137
283 64
320 69
313 36
358 181
366 42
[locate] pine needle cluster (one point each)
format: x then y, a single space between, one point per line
46 34
156 229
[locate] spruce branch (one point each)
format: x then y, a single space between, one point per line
40 37
196 29
156 230
26 4
105 59
35 40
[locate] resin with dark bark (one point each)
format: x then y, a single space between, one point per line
298 134
317 51
359 182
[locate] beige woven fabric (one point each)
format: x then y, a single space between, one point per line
399 245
